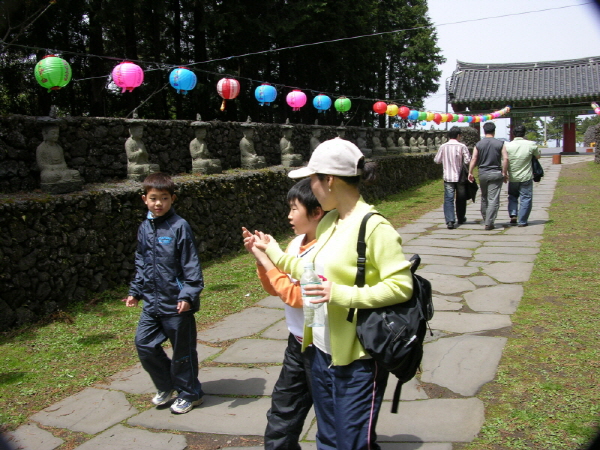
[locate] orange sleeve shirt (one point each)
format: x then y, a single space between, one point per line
278 283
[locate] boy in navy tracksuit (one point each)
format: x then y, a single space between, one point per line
169 280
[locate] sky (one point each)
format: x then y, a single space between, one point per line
554 34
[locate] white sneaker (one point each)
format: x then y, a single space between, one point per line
163 397
181 405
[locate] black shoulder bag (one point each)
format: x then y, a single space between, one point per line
393 335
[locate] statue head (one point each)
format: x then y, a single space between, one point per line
50 134
136 131
200 133
248 132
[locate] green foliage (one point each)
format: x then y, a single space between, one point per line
401 66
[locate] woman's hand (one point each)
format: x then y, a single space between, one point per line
262 240
323 290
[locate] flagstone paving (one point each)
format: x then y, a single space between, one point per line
477 278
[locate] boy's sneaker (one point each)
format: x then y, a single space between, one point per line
163 397
181 405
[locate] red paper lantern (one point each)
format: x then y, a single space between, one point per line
296 99
128 76
380 107
437 118
228 89
403 112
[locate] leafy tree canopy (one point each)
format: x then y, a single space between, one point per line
208 36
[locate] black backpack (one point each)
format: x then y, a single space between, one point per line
393 335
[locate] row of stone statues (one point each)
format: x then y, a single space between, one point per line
57 178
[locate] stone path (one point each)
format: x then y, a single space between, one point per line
477 277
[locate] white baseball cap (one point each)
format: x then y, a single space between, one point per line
333 157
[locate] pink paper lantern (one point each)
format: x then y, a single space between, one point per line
128 76
296 99
461 117
228 89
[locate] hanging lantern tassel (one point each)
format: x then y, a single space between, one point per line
222 108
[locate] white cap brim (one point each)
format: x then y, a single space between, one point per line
301 173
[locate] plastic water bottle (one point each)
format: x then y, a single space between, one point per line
313 312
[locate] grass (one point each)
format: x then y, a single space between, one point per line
45 363
546 392
548 386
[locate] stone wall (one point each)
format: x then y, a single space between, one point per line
59 249
95 146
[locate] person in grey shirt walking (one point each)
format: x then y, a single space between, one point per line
491 157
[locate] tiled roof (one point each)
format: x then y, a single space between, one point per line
526 83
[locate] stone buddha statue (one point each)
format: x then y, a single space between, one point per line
361 143
315 137
202 160
414 142
422 143
402 141
392 148
138 160
250 160
341 131
431 141
438 140
378 148
55 176
288 157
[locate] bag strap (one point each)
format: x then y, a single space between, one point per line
361 250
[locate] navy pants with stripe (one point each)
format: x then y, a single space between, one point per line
180 372
347 402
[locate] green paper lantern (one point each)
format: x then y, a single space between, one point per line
422 115
342 104
52 72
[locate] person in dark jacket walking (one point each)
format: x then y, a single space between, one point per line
169 280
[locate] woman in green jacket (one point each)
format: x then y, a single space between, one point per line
348 385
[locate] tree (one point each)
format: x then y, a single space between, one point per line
534 130
208 36
584 126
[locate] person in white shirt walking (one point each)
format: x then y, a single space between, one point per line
453 155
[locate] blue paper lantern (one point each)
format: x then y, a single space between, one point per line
413 115
469 119
265 94
322 103
183 80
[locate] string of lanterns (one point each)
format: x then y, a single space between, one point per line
54 73
423 116
596 108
